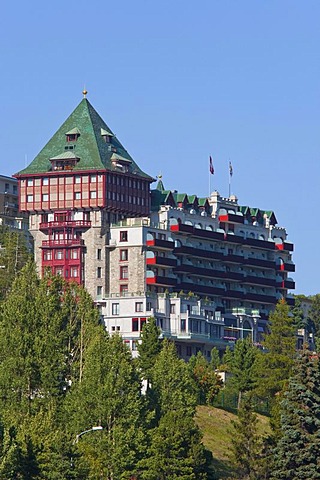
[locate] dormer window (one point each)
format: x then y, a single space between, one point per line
106 135
64 161
72 135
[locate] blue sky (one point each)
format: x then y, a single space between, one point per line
178 81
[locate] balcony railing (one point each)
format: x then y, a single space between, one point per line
66 223
74 242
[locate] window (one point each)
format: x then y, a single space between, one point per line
99 291
74 254
135 324
15 190
45 181
123 290
183 325
123 255
47 255
142 322
77 179
139 307
99 270
93 178
123 236
124 273
29 182
93 194
73 272
29 198
172 308
59 255
99 254
45 197
59 271
77 195
115 309
6 187
149 307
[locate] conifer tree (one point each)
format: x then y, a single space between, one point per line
246 444
215 360
109 395
243 367
174 448
280 345
297 454
148 348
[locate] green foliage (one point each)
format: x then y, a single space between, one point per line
243 367
246 443
227 359
174 447
13 256
314 313
215 358
275 366
108 395
149 348
207 382
298 450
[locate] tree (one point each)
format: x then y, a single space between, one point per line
246 443
207 382
108 395
174 447
149 348
298 451
314 313
243 367
215 360
13 256
275 366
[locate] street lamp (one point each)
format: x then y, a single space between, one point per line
93 429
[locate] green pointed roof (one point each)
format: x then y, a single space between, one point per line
90 147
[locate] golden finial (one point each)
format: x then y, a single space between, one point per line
84 93
159 176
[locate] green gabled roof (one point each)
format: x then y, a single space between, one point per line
159 198
180 197
65 156
160 186
90 147
192 198
203 201
244 209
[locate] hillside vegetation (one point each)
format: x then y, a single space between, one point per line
215 425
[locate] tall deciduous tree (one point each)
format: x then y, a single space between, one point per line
298 450
207 382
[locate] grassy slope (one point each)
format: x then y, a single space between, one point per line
215 426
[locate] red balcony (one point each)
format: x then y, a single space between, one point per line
74 242
67 223
286 267
161 281
161 261
160 244
231 217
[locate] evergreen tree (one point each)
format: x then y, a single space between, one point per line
215 360
174 448
275 366
246 443
298 451
243 367
149 348
227 359
109 395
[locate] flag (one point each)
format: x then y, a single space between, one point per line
230 169
211 166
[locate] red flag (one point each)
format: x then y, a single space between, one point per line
211 166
